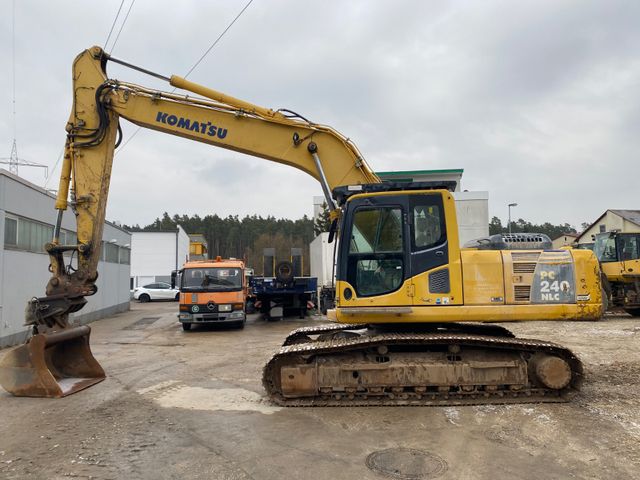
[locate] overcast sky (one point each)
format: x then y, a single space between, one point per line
538 101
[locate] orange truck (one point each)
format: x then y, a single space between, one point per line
212 292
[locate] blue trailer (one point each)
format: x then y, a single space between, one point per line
283 295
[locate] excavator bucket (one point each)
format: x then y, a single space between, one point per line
51 365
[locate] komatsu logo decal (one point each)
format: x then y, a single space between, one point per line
206 128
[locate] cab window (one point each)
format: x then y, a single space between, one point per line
605 249
376 263
428 224
629 247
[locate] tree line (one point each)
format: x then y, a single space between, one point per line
522 226
247 237
243 238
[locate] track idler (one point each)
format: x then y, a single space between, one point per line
51 365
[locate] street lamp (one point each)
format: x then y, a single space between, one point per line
511 205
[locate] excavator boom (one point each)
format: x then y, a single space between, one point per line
57 360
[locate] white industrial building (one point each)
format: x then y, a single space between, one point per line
155 254
27 216
472 208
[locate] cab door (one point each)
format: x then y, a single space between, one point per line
374 266
434 251
628 246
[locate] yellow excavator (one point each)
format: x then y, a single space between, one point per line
410 303
619 255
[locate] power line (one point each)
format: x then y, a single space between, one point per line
218 39
122 26
113 24
13 160
215 42
54 168
13 60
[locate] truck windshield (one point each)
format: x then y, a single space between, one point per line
212 279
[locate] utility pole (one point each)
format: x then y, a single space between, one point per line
511 205
14 162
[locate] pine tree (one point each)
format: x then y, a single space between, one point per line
323 222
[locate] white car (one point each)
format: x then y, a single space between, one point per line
156 291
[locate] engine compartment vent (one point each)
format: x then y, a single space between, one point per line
525 256
522 293
524 267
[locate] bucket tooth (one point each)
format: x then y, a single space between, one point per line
51 365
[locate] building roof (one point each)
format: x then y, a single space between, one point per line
632 216
574 235
48 193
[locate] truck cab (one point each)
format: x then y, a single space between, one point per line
212 292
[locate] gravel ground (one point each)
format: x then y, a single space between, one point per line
190 405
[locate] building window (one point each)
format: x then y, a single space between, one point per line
111 253
11 232
68 238
26 234
125 256
29 235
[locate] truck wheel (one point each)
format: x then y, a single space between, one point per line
251 306
186 327
634 312
240 325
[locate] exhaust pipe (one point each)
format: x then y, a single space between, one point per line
51 365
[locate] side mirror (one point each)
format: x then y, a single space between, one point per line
173 278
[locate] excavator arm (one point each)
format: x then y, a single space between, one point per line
212 117
57 360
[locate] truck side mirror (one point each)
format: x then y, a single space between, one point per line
173 278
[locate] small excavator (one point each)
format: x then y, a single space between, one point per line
412 307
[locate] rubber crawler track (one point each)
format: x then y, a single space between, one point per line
298 344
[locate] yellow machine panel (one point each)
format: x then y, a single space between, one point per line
483 277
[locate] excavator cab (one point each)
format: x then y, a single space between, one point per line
619 256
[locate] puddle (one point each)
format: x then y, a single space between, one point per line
170 395
142 323
452 414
